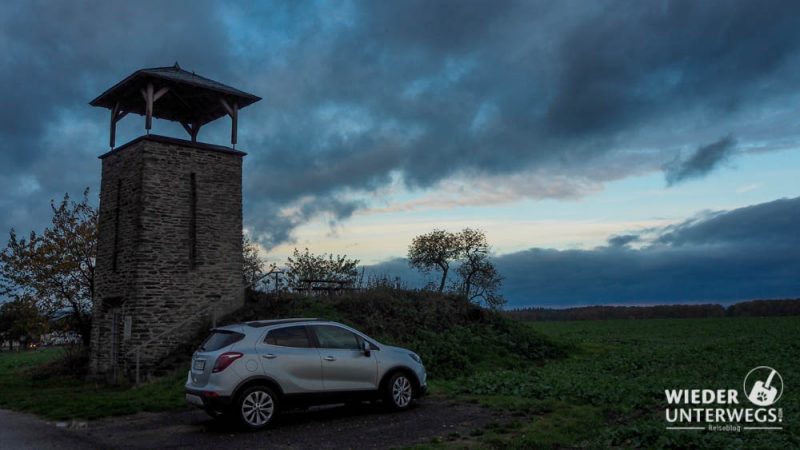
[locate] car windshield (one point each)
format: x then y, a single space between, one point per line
219 339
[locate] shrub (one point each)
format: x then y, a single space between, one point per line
74 362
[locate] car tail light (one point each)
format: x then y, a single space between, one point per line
225 360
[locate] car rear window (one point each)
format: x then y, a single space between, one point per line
289 337
219 339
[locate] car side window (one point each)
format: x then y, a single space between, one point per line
289 337
334 337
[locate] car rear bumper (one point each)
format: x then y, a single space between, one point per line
207 399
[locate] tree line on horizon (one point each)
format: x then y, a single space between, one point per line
784 307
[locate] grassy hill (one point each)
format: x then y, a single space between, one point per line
454 338
452 335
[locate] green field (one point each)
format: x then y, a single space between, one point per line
63 398
609 391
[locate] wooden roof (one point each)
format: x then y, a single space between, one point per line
188 98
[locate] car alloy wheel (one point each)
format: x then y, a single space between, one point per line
401 391
257 407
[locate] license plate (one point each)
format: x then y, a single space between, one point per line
194 400
200 364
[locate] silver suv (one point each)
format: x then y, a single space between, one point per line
252 370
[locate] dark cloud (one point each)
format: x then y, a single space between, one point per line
622 240
432 90
630 62
701 162
773 224
283 221
56 57
745 253
398 268
357 93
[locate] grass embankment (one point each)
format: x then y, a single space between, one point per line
453 336
609 392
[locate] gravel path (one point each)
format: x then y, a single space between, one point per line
19 431
362 427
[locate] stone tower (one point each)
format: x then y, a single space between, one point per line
169 253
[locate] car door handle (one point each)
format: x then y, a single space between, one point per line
329 358
269 356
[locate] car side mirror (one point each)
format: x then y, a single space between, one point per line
365 347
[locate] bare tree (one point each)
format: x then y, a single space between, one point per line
57 267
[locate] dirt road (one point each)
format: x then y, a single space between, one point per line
363 427
20 431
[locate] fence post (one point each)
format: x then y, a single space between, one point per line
137 366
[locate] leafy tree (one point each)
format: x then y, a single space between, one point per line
57 267
434 250
253 269
478 279
323 267
20 321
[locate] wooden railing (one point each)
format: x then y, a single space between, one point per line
181 325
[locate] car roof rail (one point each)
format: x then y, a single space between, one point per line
266 323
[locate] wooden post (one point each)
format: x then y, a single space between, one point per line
233 112
137 366
234 123
113 136
159 94
148 98
192 128
195 130
116 114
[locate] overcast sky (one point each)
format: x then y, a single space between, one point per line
607 148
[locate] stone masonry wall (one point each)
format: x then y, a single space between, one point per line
162 291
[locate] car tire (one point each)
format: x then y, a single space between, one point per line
256 407
398 393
